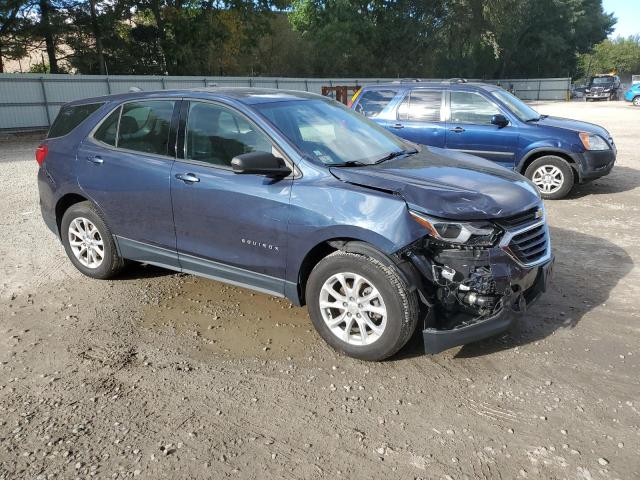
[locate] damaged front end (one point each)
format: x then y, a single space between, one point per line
476 277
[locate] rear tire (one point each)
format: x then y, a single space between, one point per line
88 242
636 101
552 175
359 286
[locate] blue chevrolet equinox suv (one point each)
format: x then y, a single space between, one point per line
487 121
295 195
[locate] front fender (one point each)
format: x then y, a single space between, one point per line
336 210
563 148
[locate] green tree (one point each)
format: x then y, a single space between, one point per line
621 55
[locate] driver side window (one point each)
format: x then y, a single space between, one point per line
468 107
215 134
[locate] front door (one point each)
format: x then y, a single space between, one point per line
469 129
419 118
125 167
229 226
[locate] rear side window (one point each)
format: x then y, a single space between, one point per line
468 107
70 117
372 102
108 130
421 106
144 126
216 134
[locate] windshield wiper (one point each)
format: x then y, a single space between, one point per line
536 119
391 155
350 163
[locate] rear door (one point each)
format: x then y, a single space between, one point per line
420 117
469 128
124 165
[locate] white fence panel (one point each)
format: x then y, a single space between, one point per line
32 101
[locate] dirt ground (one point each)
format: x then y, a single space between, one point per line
162 375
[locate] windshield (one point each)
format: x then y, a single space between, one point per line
327 131
601 80
520 109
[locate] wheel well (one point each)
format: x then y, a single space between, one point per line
543 153
312 258
64 203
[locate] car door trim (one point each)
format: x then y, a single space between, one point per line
482 153
147 253
182 262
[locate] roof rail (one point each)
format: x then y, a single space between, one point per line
456 80
407 80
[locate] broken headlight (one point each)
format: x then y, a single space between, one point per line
472 234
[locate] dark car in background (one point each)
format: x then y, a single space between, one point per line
487 121
294 195
602 87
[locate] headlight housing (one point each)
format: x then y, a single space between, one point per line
591 141
471 234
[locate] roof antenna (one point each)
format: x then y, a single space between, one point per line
135 89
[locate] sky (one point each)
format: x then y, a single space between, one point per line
628 14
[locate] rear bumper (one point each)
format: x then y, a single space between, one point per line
436 341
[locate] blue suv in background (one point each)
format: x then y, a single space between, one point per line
487 121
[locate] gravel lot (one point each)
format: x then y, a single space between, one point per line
161 375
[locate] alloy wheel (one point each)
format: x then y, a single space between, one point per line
548 178
353 309
86 243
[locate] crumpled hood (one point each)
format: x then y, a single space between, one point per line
448 184
575 125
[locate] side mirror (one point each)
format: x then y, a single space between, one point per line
260 163
499 120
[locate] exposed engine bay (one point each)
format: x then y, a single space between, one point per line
465 285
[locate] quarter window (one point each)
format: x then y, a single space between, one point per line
70 117
372 102
468 107
421 105
144 126
216 134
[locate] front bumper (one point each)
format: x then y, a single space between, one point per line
594 164
598 96
527 289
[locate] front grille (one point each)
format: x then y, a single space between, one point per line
597 89
519 219
531 245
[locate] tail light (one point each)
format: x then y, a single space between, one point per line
41 153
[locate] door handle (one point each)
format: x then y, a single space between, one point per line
96 160
397 126
457 130
187 177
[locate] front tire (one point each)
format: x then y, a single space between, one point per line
636 101
361 307
88 242
552 175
